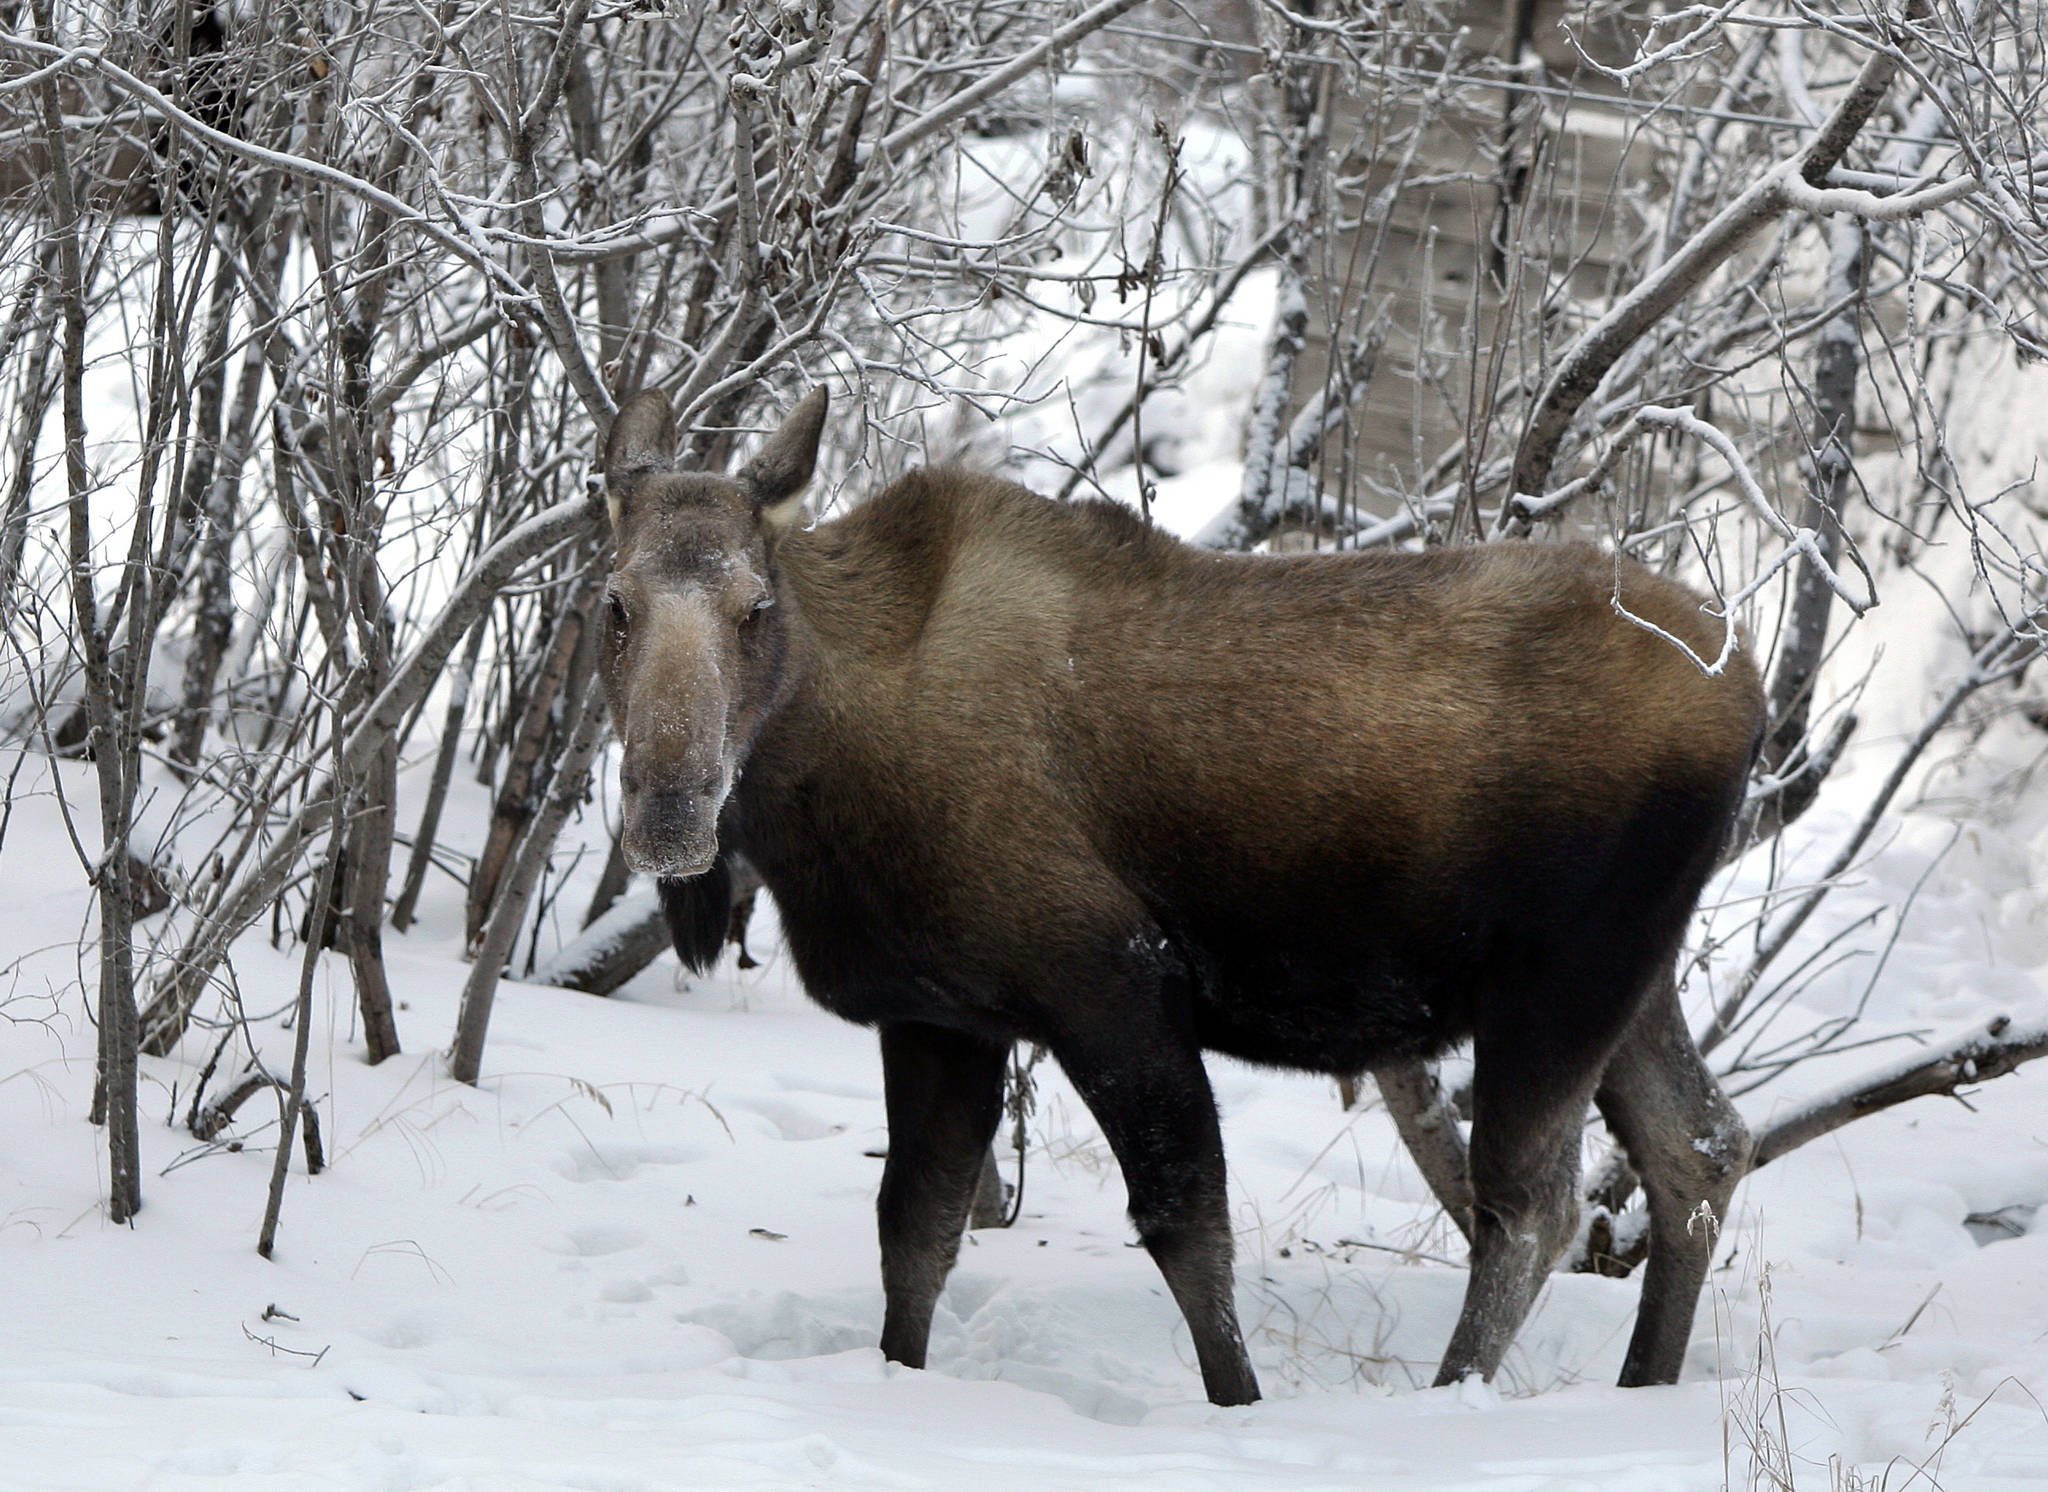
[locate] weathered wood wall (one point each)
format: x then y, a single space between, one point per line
1449 261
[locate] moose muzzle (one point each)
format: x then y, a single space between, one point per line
673 832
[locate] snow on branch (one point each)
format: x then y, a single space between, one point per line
1266 488
554 310
1892 208
1586 364
1996 1050
240 904
297 166
1797 540
1705 35
971 97
1521 510
625 240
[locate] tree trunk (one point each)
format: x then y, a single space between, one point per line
1271 479
213 624
1428 1124
369 872
292 1102
1830 470
114 757
437 788
611 883
36 392
991 1207
518 794
572 779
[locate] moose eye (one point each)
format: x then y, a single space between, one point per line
617 608
753 613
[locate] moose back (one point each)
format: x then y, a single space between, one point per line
1020 769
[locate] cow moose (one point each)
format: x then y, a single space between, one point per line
1024 769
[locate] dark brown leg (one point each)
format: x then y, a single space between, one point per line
944 1093
1528 1108
1147 1088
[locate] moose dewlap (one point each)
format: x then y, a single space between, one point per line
1015 768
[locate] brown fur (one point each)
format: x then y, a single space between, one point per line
1015 768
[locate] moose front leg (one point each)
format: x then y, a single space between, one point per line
944 1095
1149 1091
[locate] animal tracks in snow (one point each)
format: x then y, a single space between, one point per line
790 1121
598 1240
610 1160
611 1242
805 1082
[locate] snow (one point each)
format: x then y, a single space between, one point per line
640 1254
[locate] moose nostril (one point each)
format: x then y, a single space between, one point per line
679 806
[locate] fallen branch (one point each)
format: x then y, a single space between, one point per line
207 1123
1977 1058
618 945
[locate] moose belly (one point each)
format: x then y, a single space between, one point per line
1296 1002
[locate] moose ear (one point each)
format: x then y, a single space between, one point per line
782 469
643 440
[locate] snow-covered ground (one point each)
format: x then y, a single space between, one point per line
640 1254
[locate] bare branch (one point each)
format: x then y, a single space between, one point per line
1977 1058
1583 368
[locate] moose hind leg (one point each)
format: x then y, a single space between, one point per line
1690 1147
944 1095
1528 1111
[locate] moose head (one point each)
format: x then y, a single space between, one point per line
696 644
